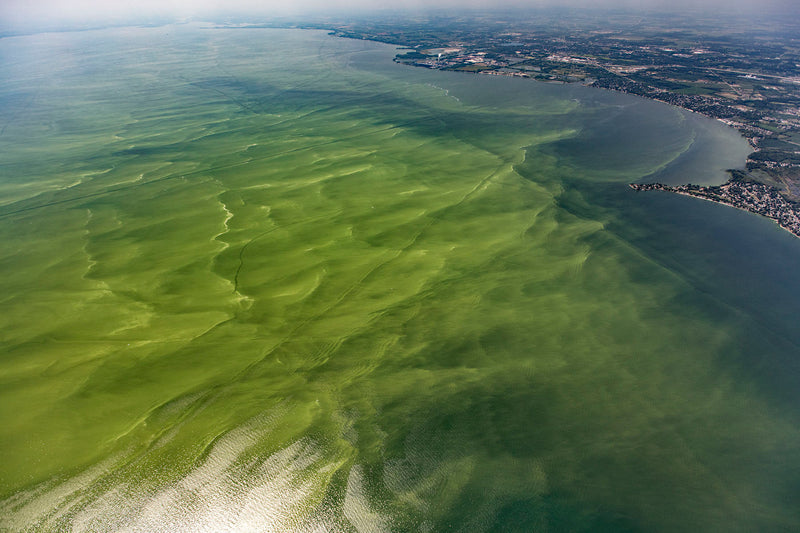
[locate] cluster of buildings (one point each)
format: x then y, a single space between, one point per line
750 196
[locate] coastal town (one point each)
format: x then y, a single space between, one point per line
748 195
745 73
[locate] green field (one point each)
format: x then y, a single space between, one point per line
266 280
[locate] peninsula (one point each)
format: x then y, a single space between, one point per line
748 195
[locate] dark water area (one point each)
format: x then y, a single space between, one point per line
737 259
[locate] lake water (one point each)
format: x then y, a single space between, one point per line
268 280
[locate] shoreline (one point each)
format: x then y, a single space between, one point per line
748 196
739 191
760 199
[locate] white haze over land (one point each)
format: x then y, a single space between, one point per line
30 13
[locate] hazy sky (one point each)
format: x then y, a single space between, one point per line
27 12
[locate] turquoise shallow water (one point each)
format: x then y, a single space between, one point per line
267 280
